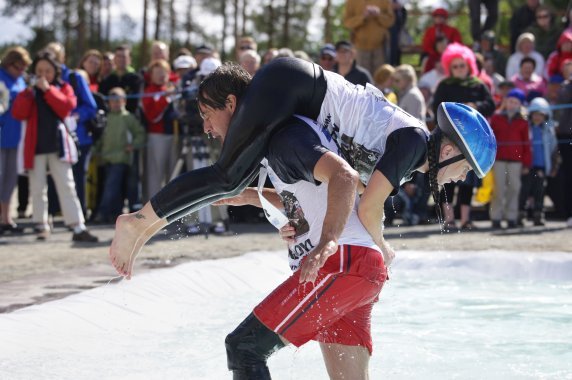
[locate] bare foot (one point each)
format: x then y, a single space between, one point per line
131 232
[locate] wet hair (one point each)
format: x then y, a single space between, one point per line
228 79
50 57
436 140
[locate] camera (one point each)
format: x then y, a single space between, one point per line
32 80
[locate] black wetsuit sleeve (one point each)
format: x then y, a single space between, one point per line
284 87
294 151
405 151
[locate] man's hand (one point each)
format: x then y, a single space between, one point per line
287 233
388 253
315 260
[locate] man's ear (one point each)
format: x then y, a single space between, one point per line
231 102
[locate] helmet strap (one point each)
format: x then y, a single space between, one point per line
450 161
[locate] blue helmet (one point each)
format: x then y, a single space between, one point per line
471 132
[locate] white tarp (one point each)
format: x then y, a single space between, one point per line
442 315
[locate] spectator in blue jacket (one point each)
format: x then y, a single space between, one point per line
85 111
545 160
14 63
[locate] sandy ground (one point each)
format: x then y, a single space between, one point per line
34 272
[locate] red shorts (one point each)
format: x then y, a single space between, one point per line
336 308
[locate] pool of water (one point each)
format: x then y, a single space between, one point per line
442 315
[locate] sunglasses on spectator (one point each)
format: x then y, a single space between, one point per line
19 66
327 58
246 47
459 66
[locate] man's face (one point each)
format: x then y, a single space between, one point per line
344 56
526 70
216 121
327 62
543 19
121 59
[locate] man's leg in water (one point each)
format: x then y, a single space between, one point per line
347 344
346 362
347 285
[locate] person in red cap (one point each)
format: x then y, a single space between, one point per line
439 29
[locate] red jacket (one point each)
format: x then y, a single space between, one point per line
154 108
428 44
62 100
558 57
513 140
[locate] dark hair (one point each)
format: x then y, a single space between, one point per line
228 79
48 56
528 59
123 47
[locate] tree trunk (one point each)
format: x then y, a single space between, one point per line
270 24
189 22
286 27
244 5
173 21
328 25
144 41
67 26
108 25
81 30
159 7
235 23
224 27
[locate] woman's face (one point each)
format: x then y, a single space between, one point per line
456 171
399 82
526 47
92 65
459 68
46 70
159 76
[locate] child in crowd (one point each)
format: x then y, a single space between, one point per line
160 117
513 158
544 159
122 134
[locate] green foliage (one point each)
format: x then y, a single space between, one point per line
268 23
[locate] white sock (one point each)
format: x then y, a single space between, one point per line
80 227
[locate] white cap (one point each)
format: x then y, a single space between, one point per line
184 62
208 65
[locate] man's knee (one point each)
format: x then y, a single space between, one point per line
248 347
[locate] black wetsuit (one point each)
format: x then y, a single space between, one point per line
280 89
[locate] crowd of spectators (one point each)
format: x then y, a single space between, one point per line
109 136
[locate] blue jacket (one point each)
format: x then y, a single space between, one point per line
549 141
10 128
86 106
